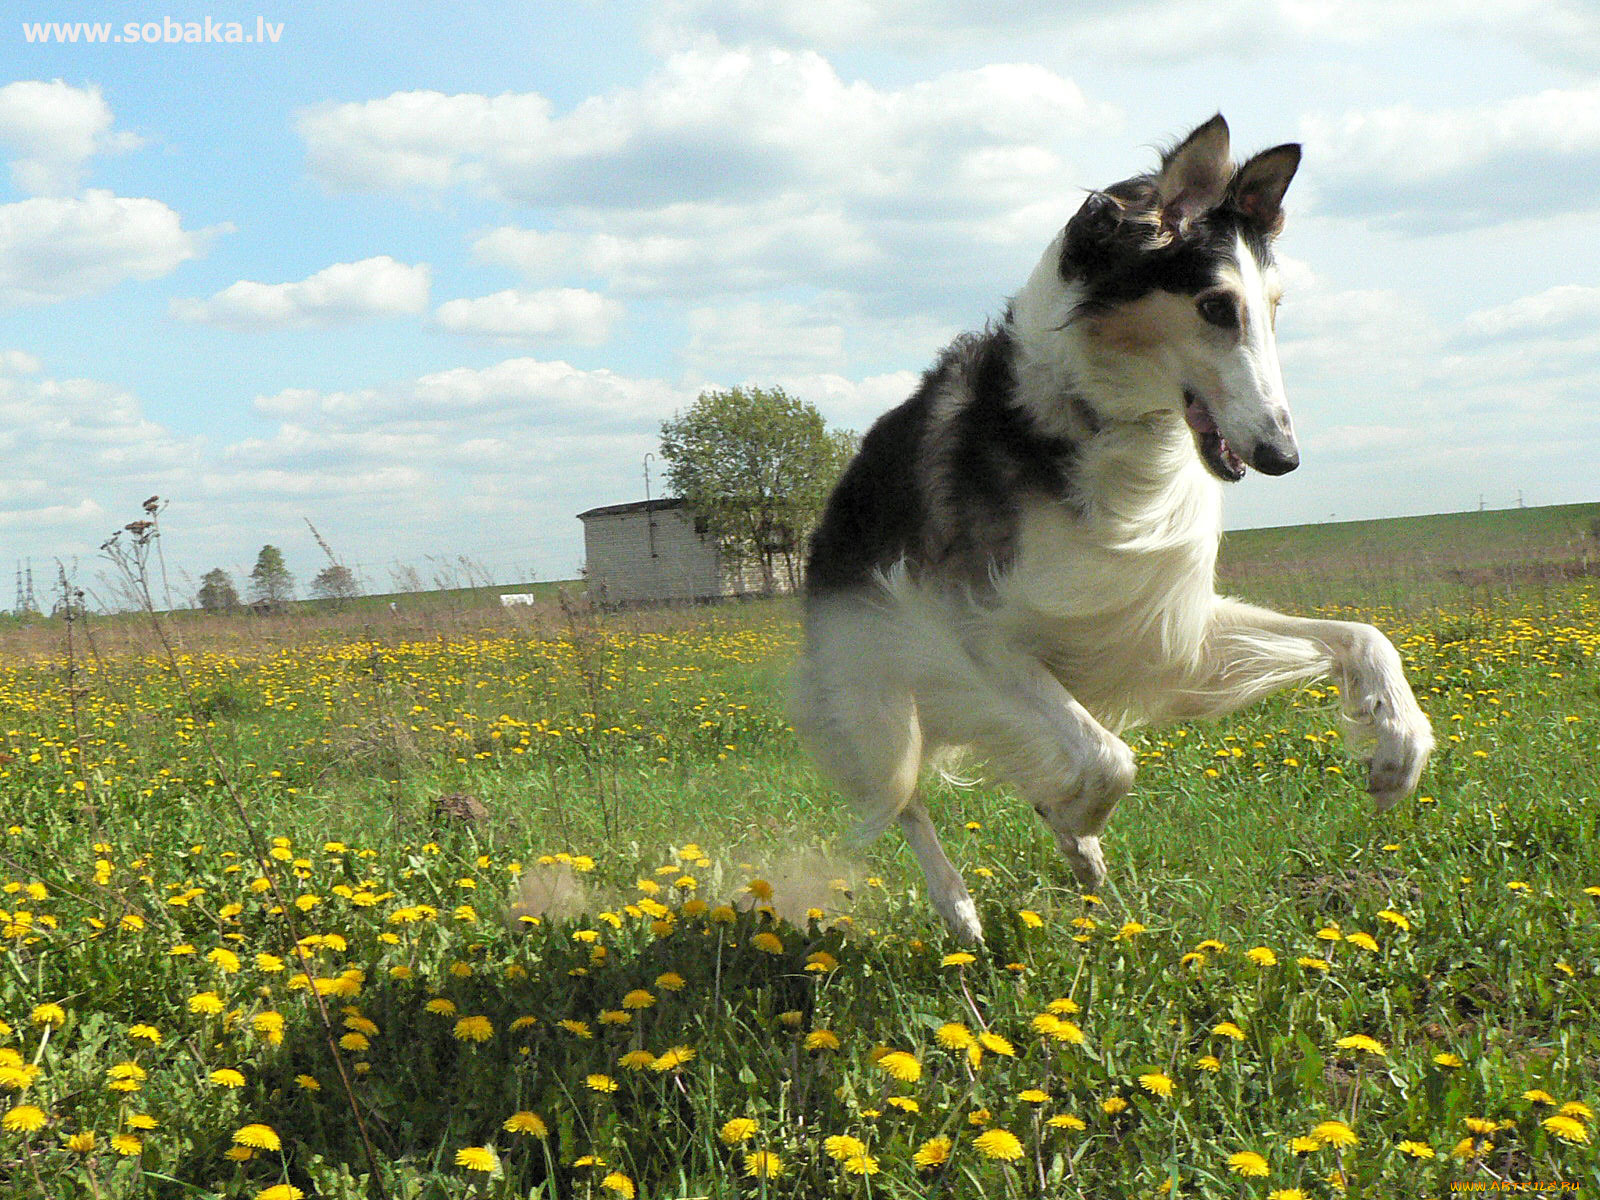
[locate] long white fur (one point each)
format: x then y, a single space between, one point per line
1116 596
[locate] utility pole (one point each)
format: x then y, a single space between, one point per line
649 513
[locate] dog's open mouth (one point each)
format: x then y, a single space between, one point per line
1214 449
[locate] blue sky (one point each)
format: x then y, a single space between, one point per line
431 277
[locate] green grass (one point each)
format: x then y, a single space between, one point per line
647 760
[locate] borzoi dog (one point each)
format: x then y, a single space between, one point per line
1020 560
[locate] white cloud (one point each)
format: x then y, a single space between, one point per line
340 294
1564 310
552 314
53 249
79 455
714 124
55 129
1504 160
694 249
755 338
1148 32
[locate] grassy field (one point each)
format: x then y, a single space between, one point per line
258 945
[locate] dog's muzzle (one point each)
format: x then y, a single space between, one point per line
1272 459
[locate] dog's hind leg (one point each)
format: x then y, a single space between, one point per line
947 891
861 723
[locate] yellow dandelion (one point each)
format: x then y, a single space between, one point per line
740 1129
1568 1129
1577 1108
763 1164
670 1059
1262 956
50 1014
474 1029
671 981
441 1006
1364 940
257 1137
1334 1133
24 1118
280 1191
841 1146
1033 1096
145 1033
953 1036
934 1152
821 1039
901 1066
530 1123
619 1183
478 1158
1398 920
638 998
1112 1105
636 1060
1447 1059
1208 1062
959 959
227 1077
1416 1149
127 1145
998 1144
600 1083
1360 1041
1156 1084
1228 1029
767 942
861 1164
1066 1121
81 1142
996 1044
1247 1162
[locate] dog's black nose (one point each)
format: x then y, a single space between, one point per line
1275 460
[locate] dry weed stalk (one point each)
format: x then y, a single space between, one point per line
130 557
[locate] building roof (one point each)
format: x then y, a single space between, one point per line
617 510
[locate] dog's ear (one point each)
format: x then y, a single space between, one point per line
1194 175
1091 234
1257 190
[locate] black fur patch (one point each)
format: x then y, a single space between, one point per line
940 485
1117 250
875 515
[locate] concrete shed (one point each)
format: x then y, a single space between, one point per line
654 551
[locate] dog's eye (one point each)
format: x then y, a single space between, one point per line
1219 311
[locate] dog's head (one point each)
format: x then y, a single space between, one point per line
1174 270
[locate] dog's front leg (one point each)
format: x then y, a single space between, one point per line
1252 651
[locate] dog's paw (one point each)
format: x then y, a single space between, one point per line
964 923
1403 740
1087 861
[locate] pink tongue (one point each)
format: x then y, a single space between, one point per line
1198 417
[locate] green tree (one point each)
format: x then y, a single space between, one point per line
270 581
217 593
336 582
756 465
